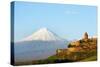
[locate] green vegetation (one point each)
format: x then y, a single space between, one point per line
92 58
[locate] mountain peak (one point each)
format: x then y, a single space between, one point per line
42 34
43 29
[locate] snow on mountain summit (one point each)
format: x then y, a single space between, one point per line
42 34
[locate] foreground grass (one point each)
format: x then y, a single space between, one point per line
92 58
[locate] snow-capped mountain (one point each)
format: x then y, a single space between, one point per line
42 34
40 45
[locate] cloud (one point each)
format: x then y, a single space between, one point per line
71 12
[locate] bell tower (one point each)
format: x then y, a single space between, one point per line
85 37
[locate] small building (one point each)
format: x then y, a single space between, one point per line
75 49
76 43
58 50
72 49
61 50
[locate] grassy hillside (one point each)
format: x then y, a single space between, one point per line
92 58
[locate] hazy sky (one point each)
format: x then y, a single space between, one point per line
67 21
